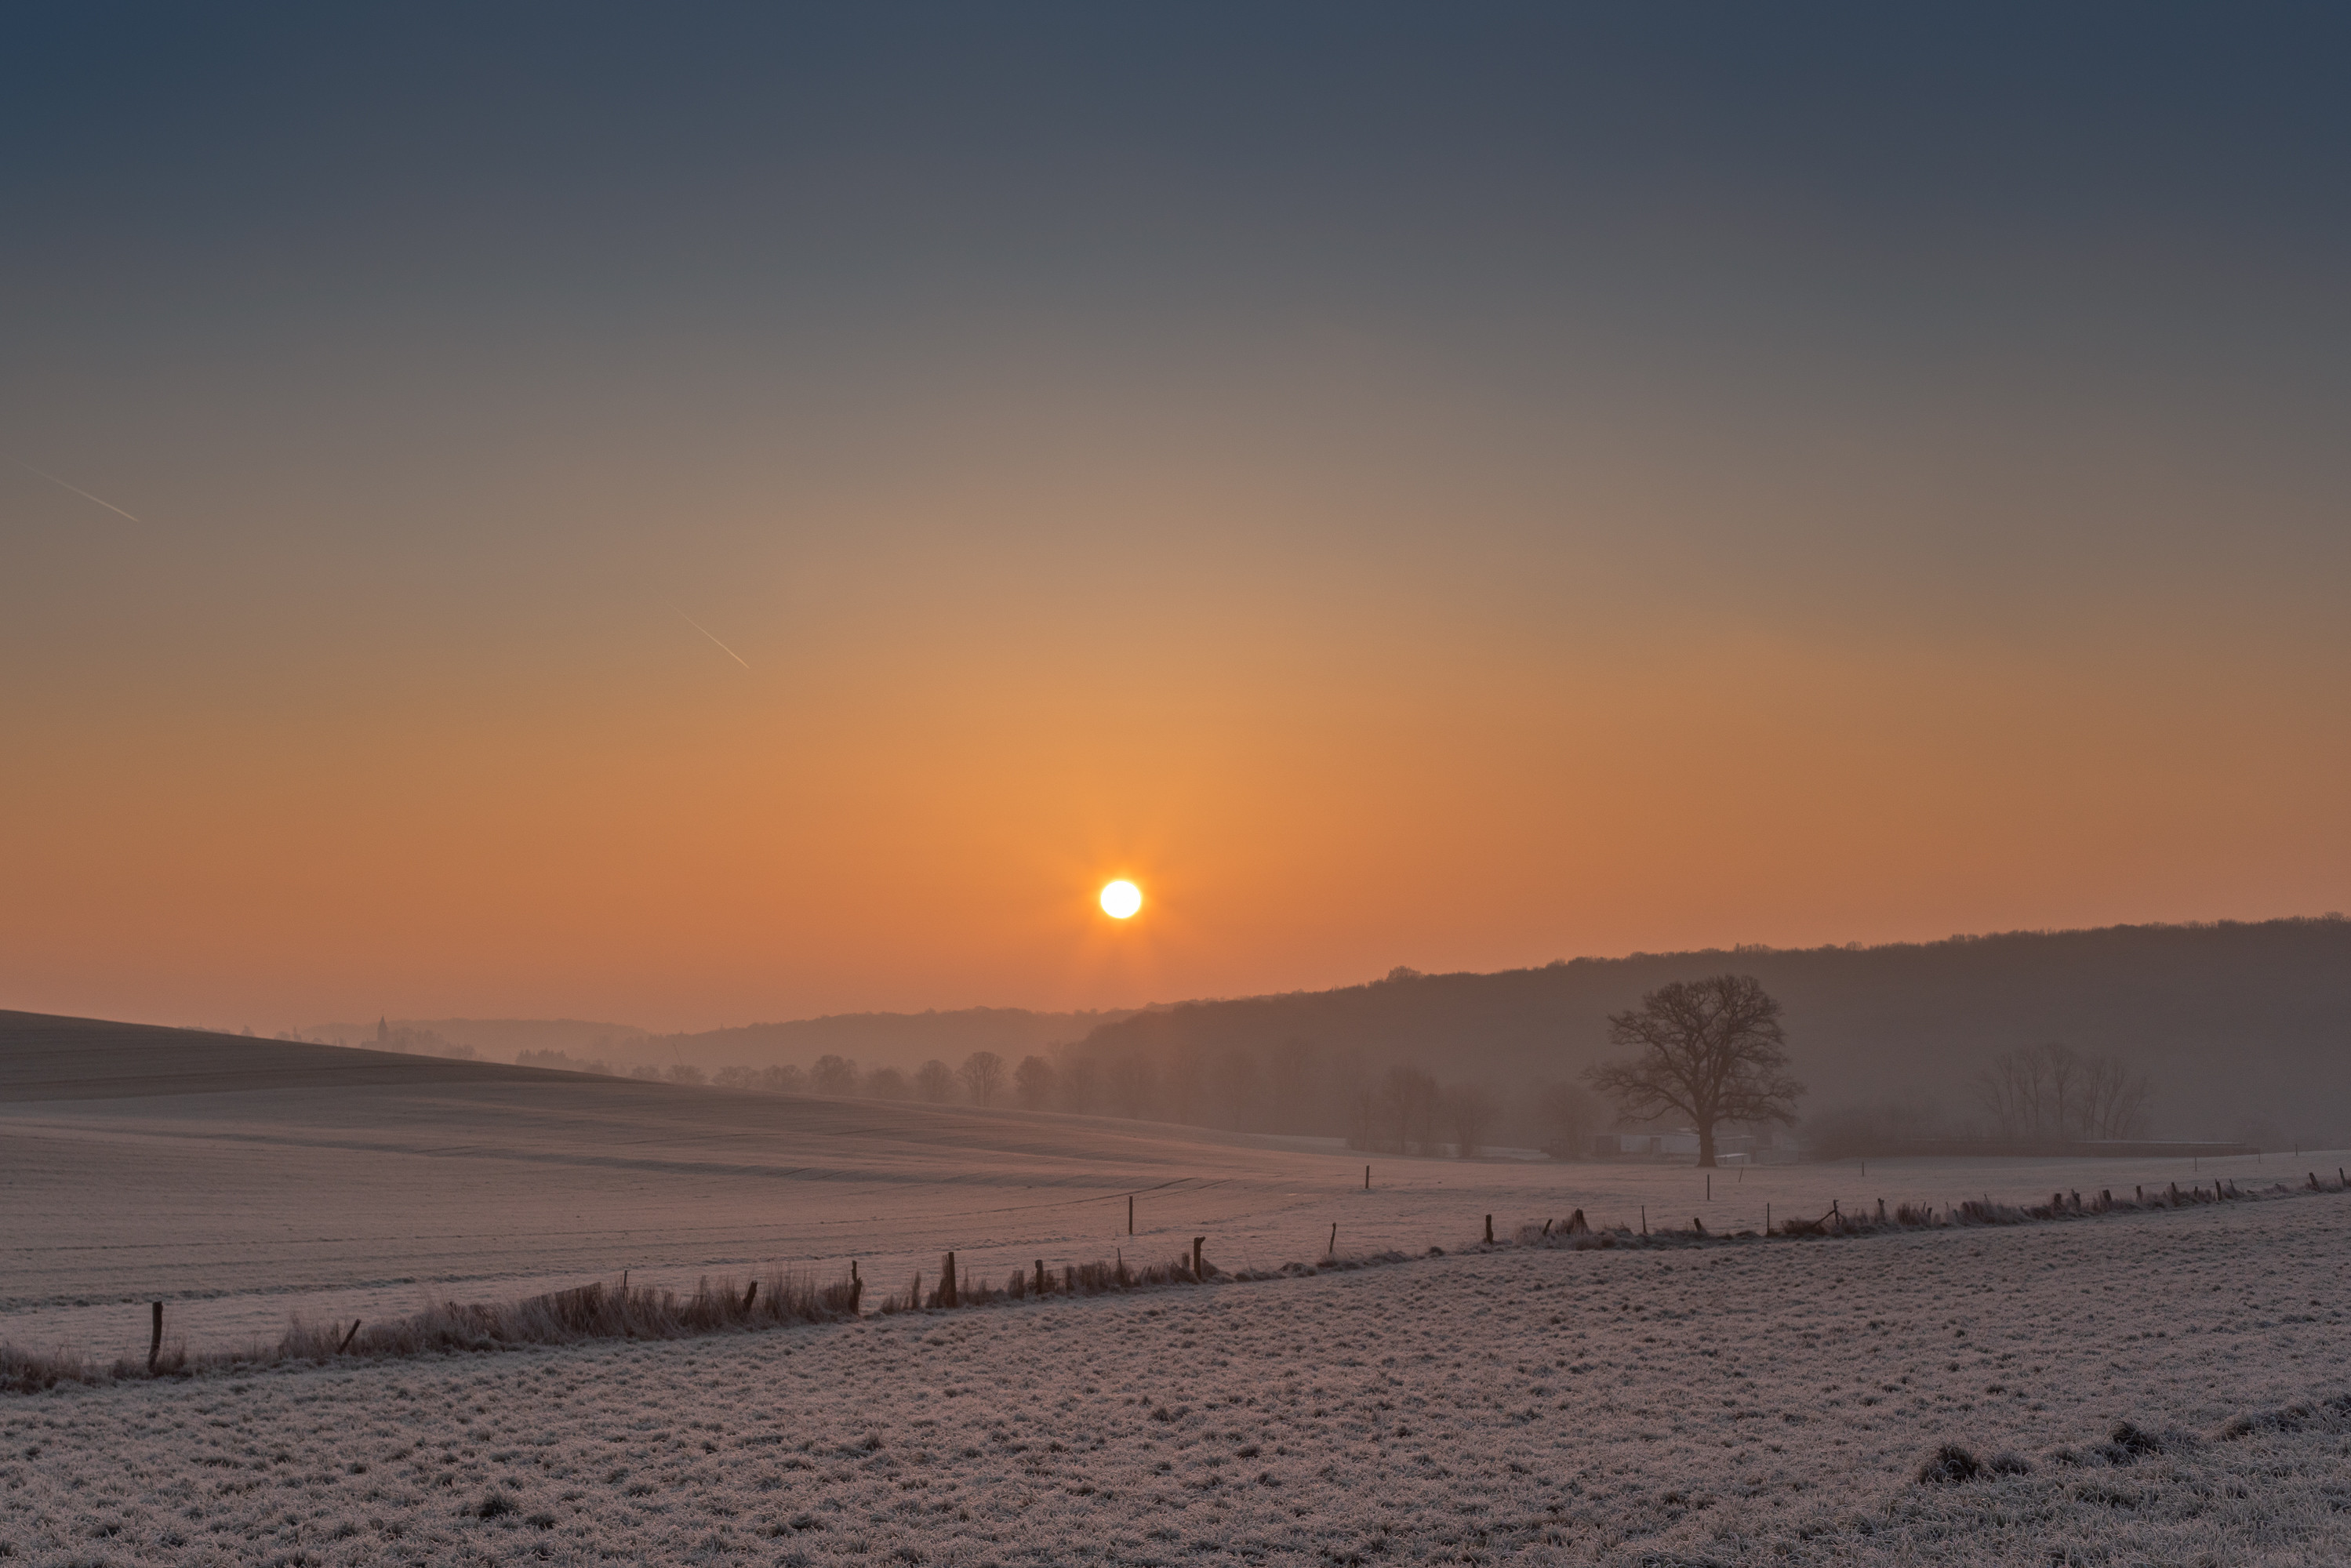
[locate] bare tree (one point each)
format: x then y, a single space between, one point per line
2050 1091
2114 1099
2062 1070
1033 1082
935 1081
1240 1087
1080 1083
1712 1049
834 1075
1133 1086
887 1083
1290 1087
1472 1111
2010 1091
1405 1106
1566 1116
983 1076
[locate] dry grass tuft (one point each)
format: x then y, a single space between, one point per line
1575 1235
598 1310
35 1372
591 1311
1096 1279
1952 1465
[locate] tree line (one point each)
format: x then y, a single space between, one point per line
1709 1055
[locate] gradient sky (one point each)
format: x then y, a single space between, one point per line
1456 487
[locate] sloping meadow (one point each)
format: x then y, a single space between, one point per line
2162 1387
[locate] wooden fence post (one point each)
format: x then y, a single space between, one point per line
1333 1251
947 1282
750 1295
1367 1178
1040 1276
155 1339
1489 1230
348 1337
856 1286
1129 1214
1197 1274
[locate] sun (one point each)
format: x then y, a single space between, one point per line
1120 899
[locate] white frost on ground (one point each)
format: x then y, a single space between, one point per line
1763 1403
241 1208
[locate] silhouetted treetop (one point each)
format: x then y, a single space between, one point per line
1712 1049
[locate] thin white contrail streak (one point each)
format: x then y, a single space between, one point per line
75 488
696 626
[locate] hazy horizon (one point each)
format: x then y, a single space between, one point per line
1727 951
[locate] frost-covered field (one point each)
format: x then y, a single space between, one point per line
240 1208
1751 1404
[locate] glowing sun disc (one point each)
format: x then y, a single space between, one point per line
1121 900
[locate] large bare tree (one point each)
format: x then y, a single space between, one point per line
1712 1049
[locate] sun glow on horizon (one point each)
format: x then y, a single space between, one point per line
1120 899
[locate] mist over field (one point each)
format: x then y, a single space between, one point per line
2236 1030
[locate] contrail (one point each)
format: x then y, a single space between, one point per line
688 619
75 488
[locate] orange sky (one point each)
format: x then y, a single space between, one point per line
1455 495
1317 765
